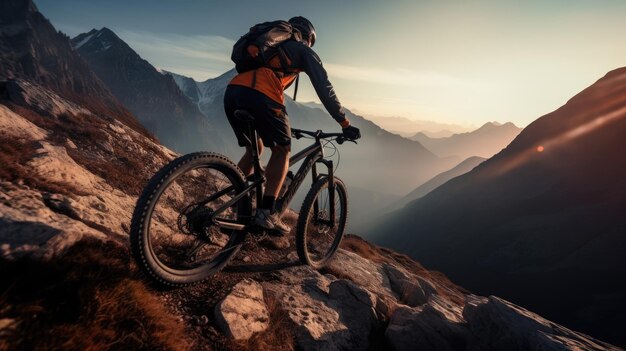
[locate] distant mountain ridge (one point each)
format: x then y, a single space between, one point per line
408 127
153 97
485 141
208 92
438 180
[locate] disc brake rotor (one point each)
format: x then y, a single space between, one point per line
193 220
322 228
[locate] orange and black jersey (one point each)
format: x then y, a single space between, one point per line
272 81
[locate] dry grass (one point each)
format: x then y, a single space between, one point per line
101 108
362 248
86 300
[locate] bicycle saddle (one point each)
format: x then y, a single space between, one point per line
244 116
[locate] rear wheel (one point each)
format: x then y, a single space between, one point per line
316 238
173 237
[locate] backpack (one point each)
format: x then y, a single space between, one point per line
255 48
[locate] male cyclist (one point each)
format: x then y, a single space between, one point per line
260 92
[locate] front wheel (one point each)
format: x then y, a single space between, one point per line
175 236
317 238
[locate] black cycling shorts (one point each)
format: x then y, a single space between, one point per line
270 118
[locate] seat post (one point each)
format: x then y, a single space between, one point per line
255 149
256 162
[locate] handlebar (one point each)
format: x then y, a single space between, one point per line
318 134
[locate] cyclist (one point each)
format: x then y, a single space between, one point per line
260 92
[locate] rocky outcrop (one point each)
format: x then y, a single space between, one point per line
16 126
482 324
502 325
327 313
437 325
57 192
43 101
243 312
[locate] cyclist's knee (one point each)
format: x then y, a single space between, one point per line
260 148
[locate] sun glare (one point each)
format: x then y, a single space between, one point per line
539 148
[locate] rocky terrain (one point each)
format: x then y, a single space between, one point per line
71 173
67 193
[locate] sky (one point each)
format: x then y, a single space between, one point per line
460 62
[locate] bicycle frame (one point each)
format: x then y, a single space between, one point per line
312 155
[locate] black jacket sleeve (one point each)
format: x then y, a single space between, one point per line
307 60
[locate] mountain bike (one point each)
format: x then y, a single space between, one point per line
195 213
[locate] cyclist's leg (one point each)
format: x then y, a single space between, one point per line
277 169
235 98
274 129
272 125
246 162
275 174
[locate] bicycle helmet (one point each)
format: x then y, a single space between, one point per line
305 27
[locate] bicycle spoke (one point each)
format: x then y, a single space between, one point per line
321 234
178 231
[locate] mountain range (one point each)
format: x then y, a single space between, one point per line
409 127
153 97
187 115
535 219
30 48
485 141
438 180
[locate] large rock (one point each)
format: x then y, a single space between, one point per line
411 290
437 326
361 271
15 126
243 312
328 313
56 198
496 324
42 100
52 163
30 227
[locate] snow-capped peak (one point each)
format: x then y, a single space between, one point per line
95 40
83 41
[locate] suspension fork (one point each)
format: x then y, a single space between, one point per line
331 190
